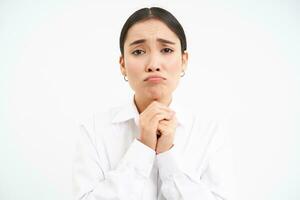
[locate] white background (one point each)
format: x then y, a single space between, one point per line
59 63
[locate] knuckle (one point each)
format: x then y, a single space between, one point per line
154 103
156 118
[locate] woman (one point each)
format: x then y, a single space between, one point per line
151 148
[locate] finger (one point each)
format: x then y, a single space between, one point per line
166 127
155 113
155 120
169 122
151 113
156 104
172 122
161 116
165 130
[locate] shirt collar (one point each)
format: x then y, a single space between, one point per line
129 111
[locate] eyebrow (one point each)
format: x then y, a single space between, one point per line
158 39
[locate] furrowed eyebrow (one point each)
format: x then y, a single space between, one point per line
159 40
165 41
137 42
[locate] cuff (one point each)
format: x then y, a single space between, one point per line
140 157
166 164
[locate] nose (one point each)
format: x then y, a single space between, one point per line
153 64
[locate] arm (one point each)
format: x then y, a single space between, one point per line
216 182
91 182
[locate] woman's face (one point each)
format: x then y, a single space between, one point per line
152 49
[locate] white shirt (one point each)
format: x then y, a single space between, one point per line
110 163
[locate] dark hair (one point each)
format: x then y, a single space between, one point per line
154 13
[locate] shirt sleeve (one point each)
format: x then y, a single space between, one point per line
92 182
217 182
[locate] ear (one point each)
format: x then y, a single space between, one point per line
122 65
185 58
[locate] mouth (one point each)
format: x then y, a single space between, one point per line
154 79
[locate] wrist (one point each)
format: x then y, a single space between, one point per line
162 150
150 145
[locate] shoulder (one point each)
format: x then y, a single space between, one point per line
99 119
105 117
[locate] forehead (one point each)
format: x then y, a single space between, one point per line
150 29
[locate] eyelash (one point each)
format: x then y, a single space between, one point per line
138 50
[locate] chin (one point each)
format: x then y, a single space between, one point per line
155 93
155 97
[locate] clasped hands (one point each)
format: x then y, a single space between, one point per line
157 126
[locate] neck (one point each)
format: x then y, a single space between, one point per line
142 103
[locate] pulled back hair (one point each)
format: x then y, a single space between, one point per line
153 13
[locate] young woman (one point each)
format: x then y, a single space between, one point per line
151 148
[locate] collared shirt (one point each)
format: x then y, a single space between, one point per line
111 163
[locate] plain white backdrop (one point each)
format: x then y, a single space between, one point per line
59 63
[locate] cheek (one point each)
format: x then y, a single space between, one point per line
174 66
133 66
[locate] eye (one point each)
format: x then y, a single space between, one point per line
138 52
167 50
